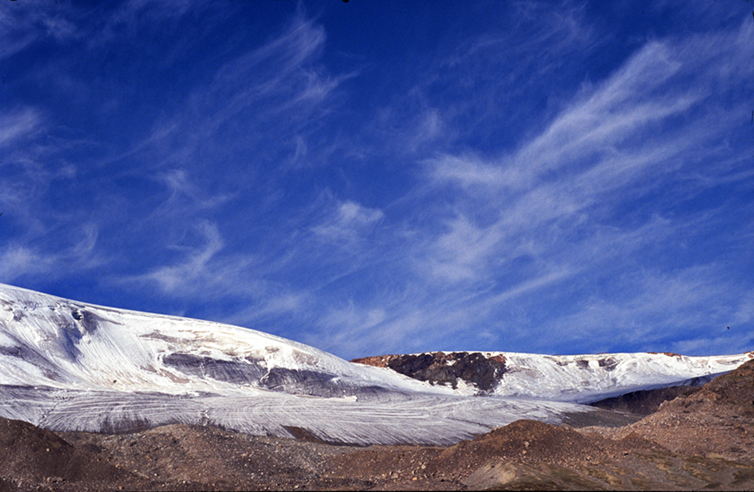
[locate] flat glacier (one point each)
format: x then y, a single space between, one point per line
73 366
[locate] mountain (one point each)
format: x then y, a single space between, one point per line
699 441
574 378
72 366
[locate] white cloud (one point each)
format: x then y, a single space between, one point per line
200 264
599 152
464 251
193 272
271 306
652 307
133 12
256 115
186 197
18 261
23 23
558 224
348 222
60 28
17 125
24 261
16 29
505 205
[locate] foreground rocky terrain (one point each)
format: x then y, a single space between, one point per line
703 438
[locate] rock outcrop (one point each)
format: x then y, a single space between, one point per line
445 368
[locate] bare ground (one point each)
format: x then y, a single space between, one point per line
701 439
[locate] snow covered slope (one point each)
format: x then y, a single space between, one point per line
48 341
575 378
589 378
68 365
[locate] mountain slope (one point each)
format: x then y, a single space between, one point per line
575 378
67 365
64 344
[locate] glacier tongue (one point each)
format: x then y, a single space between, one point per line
393 419
67 365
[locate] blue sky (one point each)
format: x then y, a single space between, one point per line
389 177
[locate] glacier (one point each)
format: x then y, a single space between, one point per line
72 366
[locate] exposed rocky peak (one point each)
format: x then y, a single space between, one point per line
669 354
444 368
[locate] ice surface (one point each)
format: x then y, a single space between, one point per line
67 365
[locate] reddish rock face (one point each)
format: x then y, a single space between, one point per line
669 354
445 367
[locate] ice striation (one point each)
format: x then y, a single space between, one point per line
67 365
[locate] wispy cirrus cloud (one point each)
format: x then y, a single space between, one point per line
563 214
23 24
21 123
274 92
472 94
536 176
653 307
347 223
192 273
601 144
27 261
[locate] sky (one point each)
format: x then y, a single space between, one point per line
389 177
